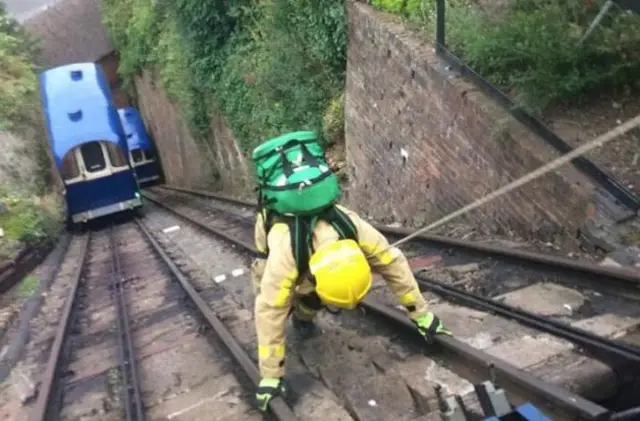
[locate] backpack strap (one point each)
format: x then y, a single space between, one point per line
341 222
301 231
267 223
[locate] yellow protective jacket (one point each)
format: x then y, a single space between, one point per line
276 281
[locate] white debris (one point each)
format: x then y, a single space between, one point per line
450 382
219 278
1 233
237 272
481 340
171 229
568 307
372 402
404 154
608 261
462 269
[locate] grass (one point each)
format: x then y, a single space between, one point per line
28 220
531 48
28 286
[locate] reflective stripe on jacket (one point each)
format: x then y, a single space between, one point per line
275 281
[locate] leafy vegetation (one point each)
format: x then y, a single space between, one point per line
26 219
28 213
279 65
28 286
532 48
270 66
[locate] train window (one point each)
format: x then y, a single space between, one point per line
136 154
93 157
69 168
150 154
116 156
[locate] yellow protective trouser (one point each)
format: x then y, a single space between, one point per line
279 289
304 306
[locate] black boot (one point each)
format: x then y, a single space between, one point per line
305 329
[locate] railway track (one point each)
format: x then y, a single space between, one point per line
491 288
130 342
549 358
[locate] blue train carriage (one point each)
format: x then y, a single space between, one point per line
142 153
87 142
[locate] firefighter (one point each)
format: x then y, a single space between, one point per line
307 265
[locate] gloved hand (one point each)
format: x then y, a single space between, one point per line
430 325
268 389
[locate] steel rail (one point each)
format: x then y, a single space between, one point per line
625 278
41 407
581 337
604 349
534 388
133 408
278 406
522 383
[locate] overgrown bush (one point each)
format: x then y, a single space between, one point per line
532 50
270 66
286 75
27 219
277 65
18 83
28 213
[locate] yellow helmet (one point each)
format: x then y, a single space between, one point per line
342 273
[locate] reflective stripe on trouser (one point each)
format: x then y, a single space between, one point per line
270 315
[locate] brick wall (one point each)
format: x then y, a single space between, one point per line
109 65
460 146
216 163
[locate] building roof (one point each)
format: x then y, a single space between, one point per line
70 31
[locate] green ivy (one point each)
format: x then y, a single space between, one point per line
284 74
18 80
270 66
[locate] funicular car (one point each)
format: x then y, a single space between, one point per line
142 153
87 142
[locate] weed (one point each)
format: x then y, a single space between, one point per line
28 286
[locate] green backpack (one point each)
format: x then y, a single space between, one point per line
297 187
293 175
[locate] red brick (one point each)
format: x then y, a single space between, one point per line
459 146
186 161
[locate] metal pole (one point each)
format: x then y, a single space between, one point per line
596 21
440 10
